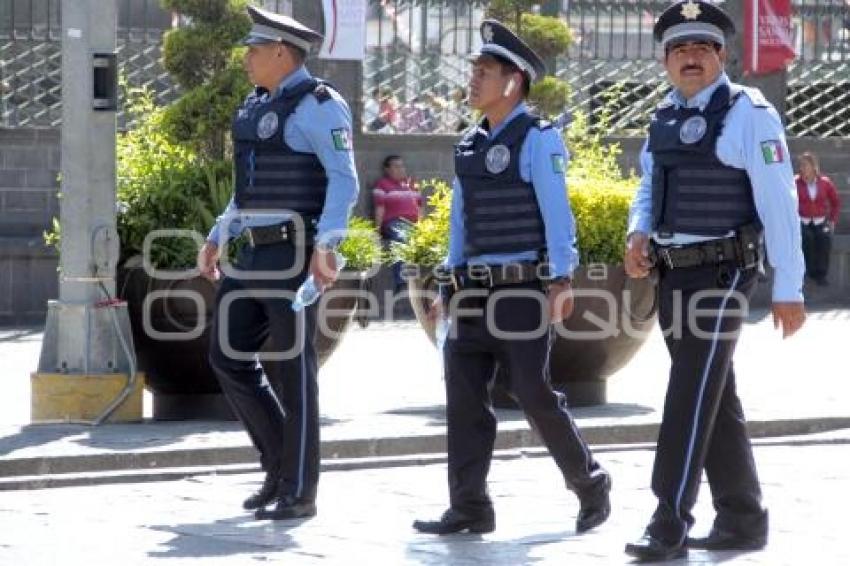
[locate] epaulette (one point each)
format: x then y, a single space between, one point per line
322 92
542 124
755 95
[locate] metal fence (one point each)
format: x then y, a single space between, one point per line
818 102
417 64
31 57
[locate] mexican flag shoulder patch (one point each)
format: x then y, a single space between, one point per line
558 163
342 139
772 152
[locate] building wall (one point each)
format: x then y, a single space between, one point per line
29 168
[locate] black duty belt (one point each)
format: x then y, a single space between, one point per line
487 276
275 234
706 253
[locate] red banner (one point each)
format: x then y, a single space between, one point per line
768 42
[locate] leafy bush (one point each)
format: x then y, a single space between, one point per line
362 245
164 185
201 117
428 243
547 36
549 96
202 57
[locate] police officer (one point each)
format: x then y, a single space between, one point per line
295 186
509 206
717 182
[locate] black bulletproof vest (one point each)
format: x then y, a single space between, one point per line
693 192
270 175
500 209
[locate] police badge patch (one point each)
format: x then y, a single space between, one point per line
267 125
693 130
498 158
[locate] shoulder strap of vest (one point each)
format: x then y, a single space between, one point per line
300 90
517 128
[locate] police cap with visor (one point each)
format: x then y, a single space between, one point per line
270 27
693 21
502 43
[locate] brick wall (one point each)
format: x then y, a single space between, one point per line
29 165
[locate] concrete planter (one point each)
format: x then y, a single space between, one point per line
612 317
176 369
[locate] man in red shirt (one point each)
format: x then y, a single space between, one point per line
819 208
397 206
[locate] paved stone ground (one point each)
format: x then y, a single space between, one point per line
381 394
365 516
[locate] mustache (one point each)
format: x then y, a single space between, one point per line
691 68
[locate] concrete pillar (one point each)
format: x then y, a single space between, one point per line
346 76
87 357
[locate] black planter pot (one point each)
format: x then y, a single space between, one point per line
585 352
177 370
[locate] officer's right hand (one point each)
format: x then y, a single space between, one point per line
636 258
208 261
789 316
435 311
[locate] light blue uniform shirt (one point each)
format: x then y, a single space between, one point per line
745 129
543 161
309 129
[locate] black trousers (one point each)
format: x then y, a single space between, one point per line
470 355
703 425
817 244
277 400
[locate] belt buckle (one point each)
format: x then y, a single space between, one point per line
668 259
482 273
251 238
284 232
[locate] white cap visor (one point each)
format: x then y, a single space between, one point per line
266 34
523 65
693 31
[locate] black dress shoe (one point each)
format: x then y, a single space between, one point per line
650 549
726 540
454 521
595 508
287 507
265 494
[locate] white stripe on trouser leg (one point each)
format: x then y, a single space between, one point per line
301 318
705 371
546 369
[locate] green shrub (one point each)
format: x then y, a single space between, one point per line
546 35
164 185
204 59
362 245
428 243
510 12
549 96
